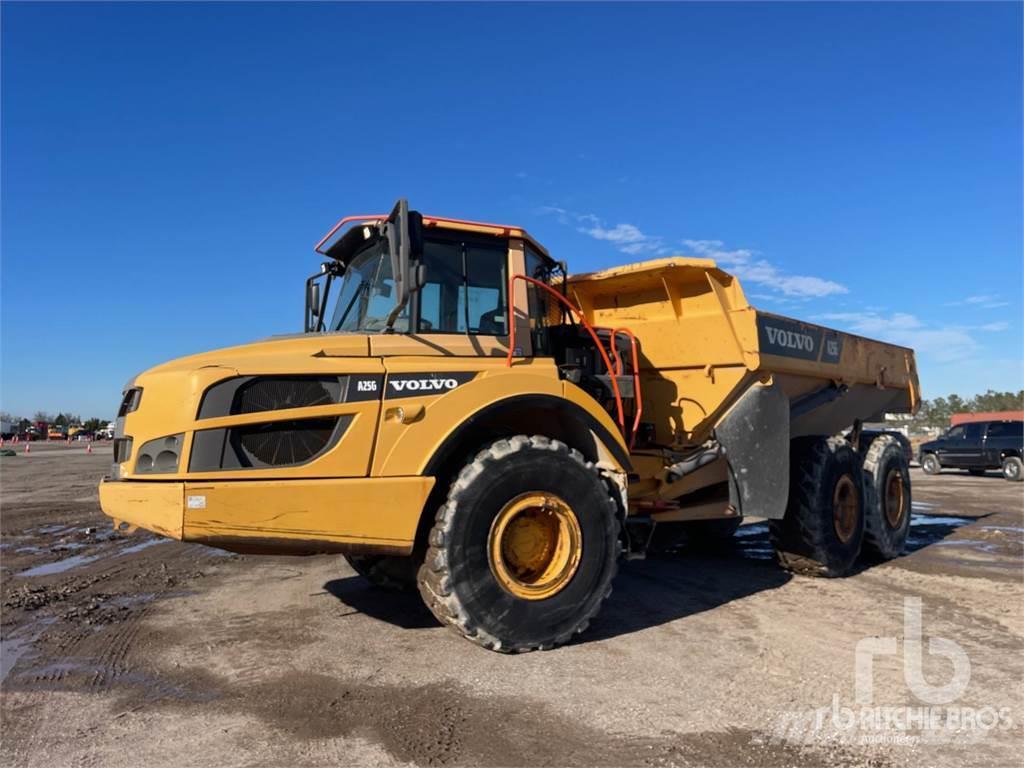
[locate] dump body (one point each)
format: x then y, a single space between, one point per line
714 370
702 346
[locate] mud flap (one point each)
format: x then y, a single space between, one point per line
755 435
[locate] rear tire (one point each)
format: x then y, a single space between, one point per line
391 572
523 552
887 498
822 532
930 464
1013 469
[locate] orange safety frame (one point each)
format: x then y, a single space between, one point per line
427 221
637 396
583 321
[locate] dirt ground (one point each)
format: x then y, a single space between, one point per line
125 651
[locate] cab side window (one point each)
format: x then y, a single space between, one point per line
465 285
538 301
956 433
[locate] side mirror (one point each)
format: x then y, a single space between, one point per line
314 299
397 228
313 315
405 242
404 231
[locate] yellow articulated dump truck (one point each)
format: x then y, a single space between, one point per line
463 416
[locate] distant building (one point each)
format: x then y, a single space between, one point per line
964 418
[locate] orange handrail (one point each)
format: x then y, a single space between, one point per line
583 321
342 223
637 396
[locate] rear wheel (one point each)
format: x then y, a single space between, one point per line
887 502
523 552
930 464
822 532
1013 469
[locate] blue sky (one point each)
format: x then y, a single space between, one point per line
167 168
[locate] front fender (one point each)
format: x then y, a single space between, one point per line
413 448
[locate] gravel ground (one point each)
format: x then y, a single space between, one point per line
125 651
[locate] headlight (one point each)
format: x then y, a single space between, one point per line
159 456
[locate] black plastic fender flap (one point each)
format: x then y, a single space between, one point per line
755 435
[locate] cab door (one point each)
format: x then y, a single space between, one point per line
961 447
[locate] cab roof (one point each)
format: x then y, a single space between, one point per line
429 222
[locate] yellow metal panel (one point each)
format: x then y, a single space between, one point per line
356 510
153 506
406 449
439 345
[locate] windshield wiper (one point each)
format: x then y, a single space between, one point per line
363 290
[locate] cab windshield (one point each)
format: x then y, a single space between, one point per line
366 293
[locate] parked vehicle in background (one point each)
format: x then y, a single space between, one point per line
83 434
978 446
7 429
56 433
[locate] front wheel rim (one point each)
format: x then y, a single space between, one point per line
1011 469
534 545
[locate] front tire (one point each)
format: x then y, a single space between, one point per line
1013 469
523 552
887 495
823 529
930 464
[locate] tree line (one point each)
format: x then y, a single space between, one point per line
937 412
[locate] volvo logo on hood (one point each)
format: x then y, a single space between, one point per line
424 384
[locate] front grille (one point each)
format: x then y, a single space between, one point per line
122 449
262 446
276 393
282 443
255 394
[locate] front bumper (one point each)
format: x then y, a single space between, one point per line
372 515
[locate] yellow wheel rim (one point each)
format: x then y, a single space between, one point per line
534 545
845 502
895 498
